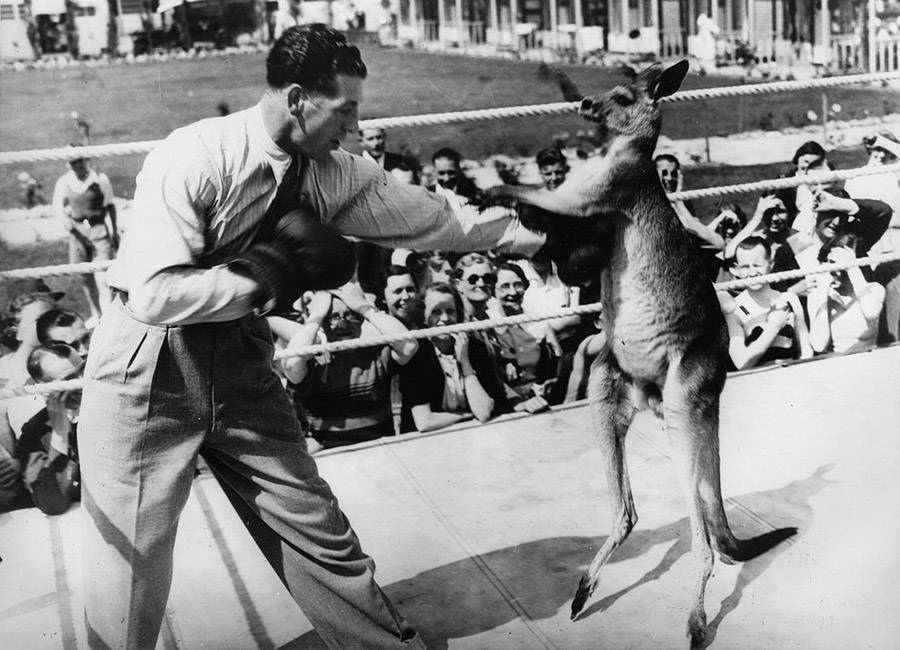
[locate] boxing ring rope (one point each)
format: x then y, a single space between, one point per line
80 268
555 108
487 324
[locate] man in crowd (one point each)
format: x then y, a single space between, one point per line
373 142
552 166
449 175
239 217
83 199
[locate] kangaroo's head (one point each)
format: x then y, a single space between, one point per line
632 110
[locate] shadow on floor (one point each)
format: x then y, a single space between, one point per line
539 578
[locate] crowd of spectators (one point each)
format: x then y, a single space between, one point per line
422 385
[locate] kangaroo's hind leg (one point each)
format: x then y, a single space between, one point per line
691 412
612 410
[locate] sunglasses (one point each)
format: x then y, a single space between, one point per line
350 317
489 278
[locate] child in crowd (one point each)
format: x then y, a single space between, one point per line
763 324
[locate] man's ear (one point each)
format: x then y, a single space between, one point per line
669 81
296 101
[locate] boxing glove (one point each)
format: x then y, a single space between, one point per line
294 254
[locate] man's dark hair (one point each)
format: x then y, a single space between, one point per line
550 156
54 318
397 270
447 152
667 157
312 56
35 362
752 242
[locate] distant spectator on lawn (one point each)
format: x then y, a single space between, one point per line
29 191
763 324
844 307
83 199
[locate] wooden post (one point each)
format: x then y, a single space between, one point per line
825 20
870 32
442 14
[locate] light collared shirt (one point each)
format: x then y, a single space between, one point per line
70 186
202 194
377 161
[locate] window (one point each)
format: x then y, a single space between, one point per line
7 12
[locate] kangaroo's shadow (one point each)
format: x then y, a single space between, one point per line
537 579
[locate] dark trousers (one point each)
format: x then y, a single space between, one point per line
154 398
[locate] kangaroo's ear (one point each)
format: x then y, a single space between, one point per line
569 90
669 81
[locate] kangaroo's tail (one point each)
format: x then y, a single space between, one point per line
732 549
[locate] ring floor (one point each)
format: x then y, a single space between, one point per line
480 534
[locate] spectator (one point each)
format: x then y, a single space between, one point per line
64 326
668 168
552 166
809 158
588 349
475 279
763 324
401 297
24 310
835 212
404 173
769 221
427 178
452 377
438 270
844 307
373 141
45 430
729 220
29 191
347 399
83 199
449 175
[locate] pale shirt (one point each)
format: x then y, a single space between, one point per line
883 187
69 186
202 194
377 161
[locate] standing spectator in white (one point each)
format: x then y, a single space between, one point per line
83 198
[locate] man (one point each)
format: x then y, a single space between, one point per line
64 326
449 175
83 199
372 140
230 227
552 166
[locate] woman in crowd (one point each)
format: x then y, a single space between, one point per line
810 158
475 279
844 307
452 377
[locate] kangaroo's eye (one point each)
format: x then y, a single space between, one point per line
586 104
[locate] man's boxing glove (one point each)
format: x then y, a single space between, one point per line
296 254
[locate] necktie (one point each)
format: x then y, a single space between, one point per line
287 198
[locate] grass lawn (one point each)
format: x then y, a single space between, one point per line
147 101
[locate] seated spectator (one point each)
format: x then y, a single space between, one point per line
45 430
519 353
24 311
475 279
64 326
809 158
449 175
763 324
866 218
452 377
844 307
552 166
401 297
345 397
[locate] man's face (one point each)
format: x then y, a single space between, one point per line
342 323
439 269
668 174
399 290
426 177
446 173
80 167
54 368
879 156
751 263
326 120
477 282
509 290
553 175
372 140
76 335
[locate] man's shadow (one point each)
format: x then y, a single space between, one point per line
535 580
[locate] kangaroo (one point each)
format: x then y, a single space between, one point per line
667 343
